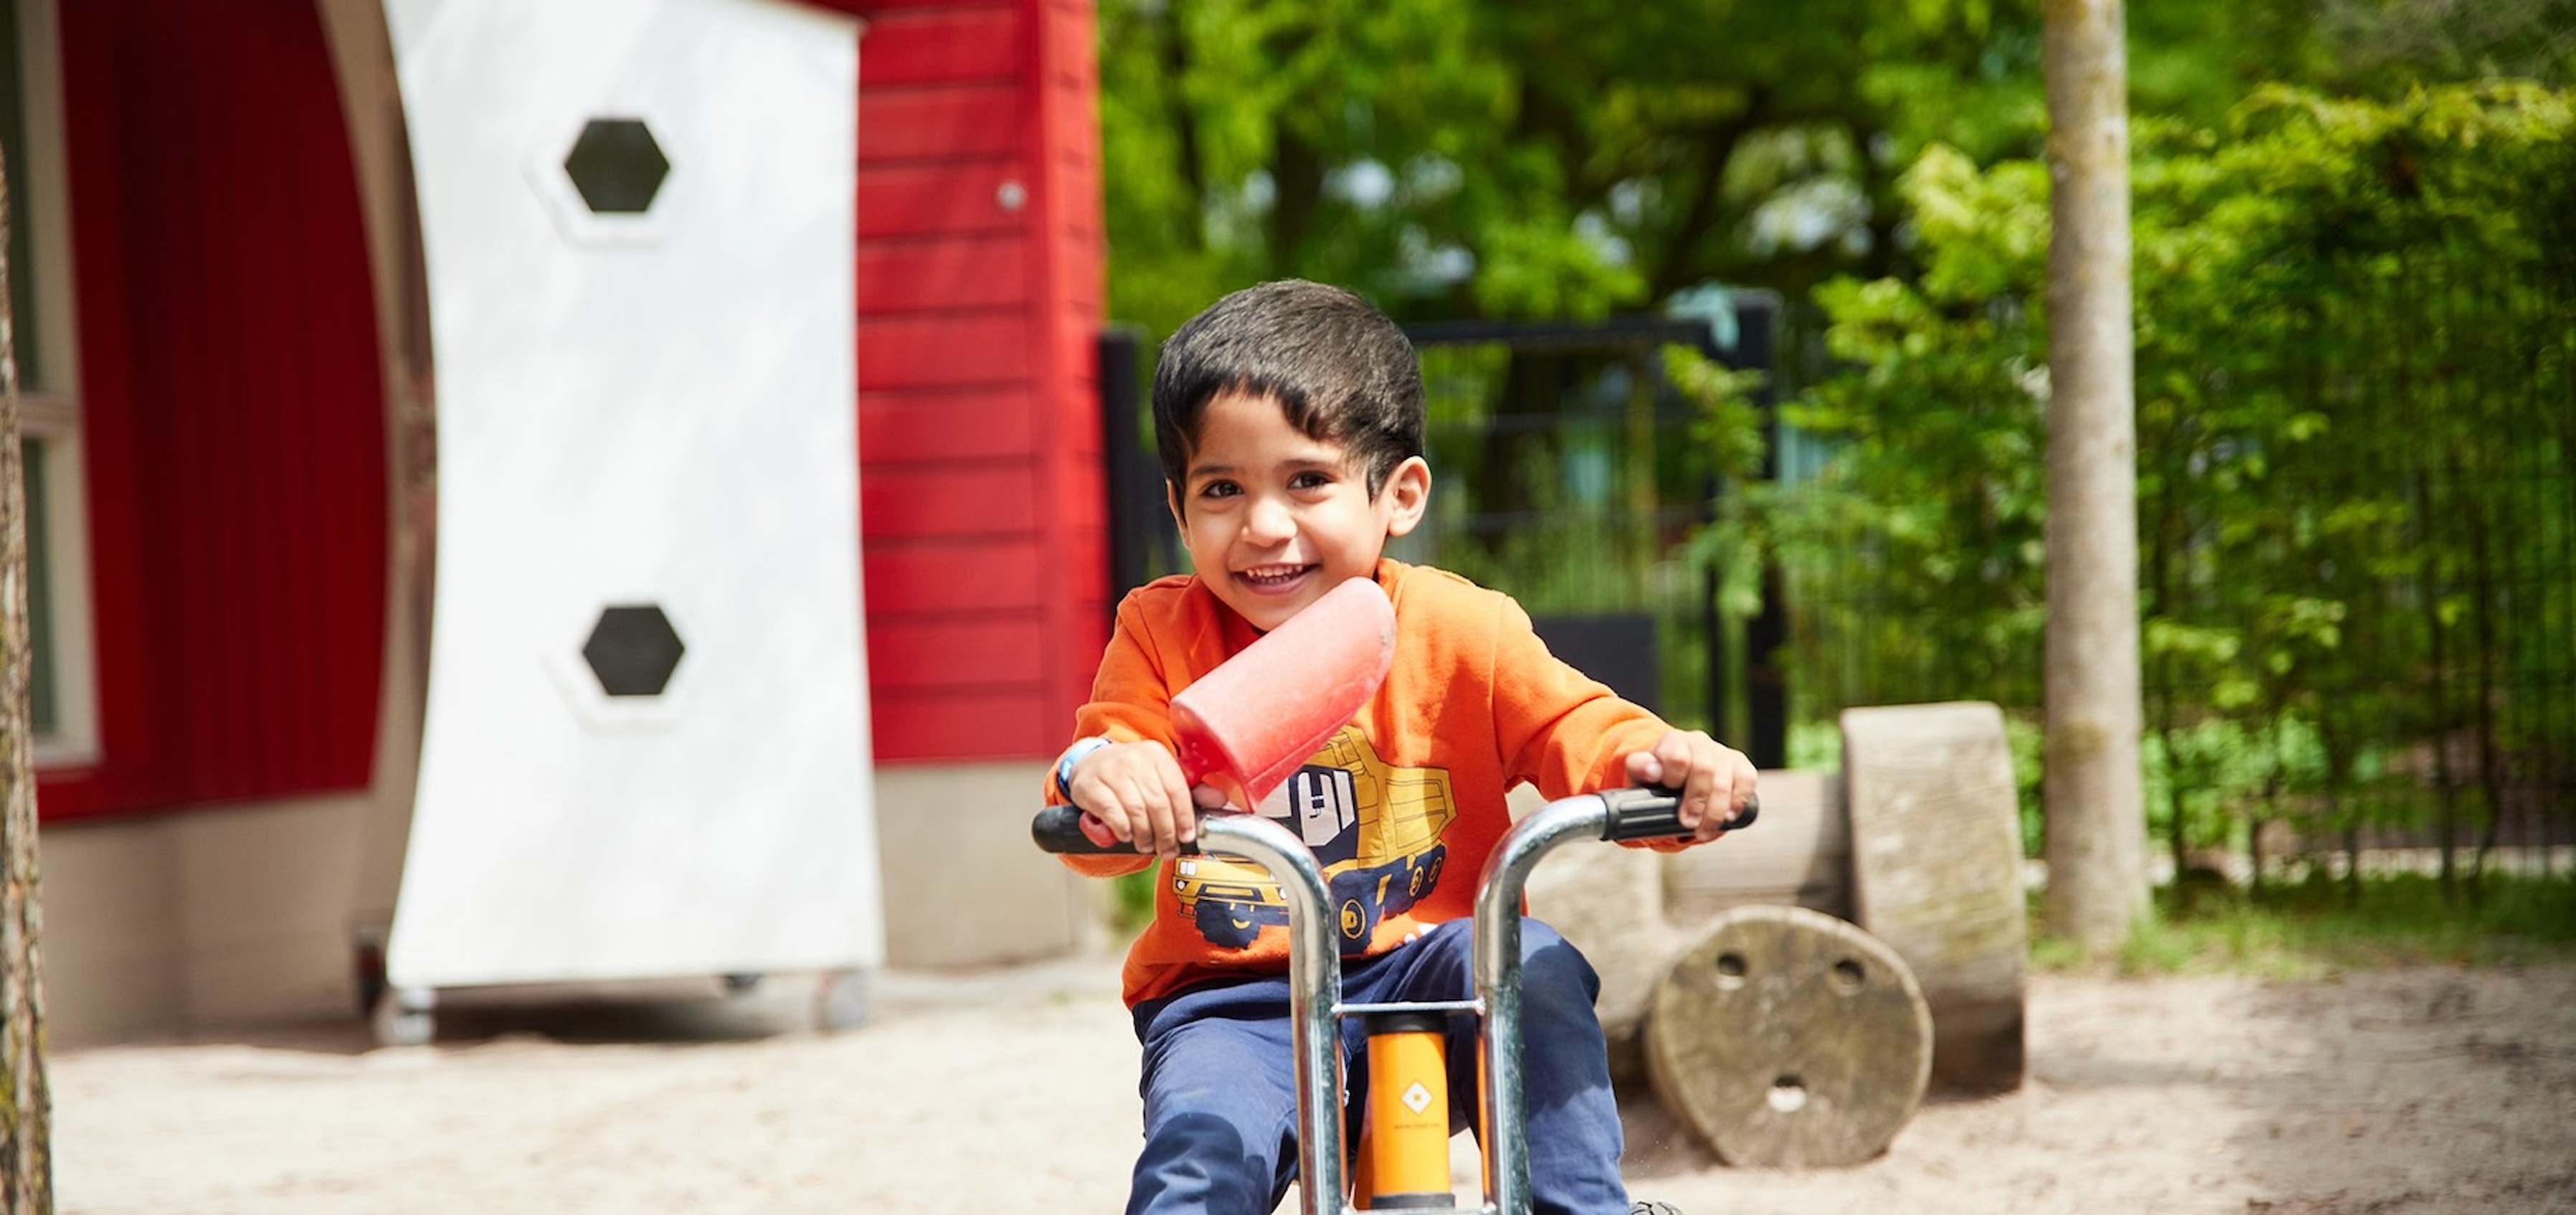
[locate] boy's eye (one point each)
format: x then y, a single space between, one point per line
1309 480
1219 489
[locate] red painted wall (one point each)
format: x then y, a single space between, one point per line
982 508
232 403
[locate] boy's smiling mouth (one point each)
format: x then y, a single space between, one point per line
1273 577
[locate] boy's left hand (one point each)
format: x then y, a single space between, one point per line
1715 780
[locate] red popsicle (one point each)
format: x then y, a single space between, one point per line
1248 725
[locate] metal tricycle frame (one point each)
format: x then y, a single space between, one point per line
1315 974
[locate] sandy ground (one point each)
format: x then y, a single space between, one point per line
2427 1090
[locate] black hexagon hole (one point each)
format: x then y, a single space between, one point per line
633 649
617 166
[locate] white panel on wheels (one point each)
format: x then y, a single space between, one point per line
645 750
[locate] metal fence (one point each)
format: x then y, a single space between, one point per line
2360 622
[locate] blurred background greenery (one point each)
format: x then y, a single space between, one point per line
2355 232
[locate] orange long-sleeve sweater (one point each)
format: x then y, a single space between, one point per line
1401 807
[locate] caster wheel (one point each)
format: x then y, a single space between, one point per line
404 1017
841 1000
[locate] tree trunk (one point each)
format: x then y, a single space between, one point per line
26 1114
2097 886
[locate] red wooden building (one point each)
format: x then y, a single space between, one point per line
231 405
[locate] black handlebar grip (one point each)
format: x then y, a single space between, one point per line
1058 829
1655 813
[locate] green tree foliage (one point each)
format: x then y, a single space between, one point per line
1454 158
1567 159
2357 456
2345 313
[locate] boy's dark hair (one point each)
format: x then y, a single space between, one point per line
1341 371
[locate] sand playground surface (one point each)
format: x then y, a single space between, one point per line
1013 1090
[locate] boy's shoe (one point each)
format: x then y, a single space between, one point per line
1654 1208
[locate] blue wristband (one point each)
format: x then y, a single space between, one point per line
1073 755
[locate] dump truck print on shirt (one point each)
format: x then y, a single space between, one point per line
1374 829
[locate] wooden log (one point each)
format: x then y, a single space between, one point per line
1788 1038
1936 874
1629 909
1798 853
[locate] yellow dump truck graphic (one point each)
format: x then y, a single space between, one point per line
1375 830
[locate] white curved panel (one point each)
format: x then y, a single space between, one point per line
642 408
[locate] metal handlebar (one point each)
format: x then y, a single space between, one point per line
1315 967
1620 814
1632 814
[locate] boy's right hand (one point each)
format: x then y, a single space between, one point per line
1137 791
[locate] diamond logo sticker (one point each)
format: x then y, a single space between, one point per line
1417 1097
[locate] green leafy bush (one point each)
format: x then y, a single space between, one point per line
2356 438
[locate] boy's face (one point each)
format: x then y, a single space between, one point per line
1273 518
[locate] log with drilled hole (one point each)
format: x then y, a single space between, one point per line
1787 1038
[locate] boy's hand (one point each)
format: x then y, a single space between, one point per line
1715 780
1137 791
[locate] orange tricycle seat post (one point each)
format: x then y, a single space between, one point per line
1405 1145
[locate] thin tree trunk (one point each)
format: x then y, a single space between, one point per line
2170 447
2445 789
2338 773
26 1162
1185 130
2097 885
2482 716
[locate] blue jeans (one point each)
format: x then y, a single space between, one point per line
1220 1078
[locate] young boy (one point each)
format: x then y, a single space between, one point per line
1289 421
